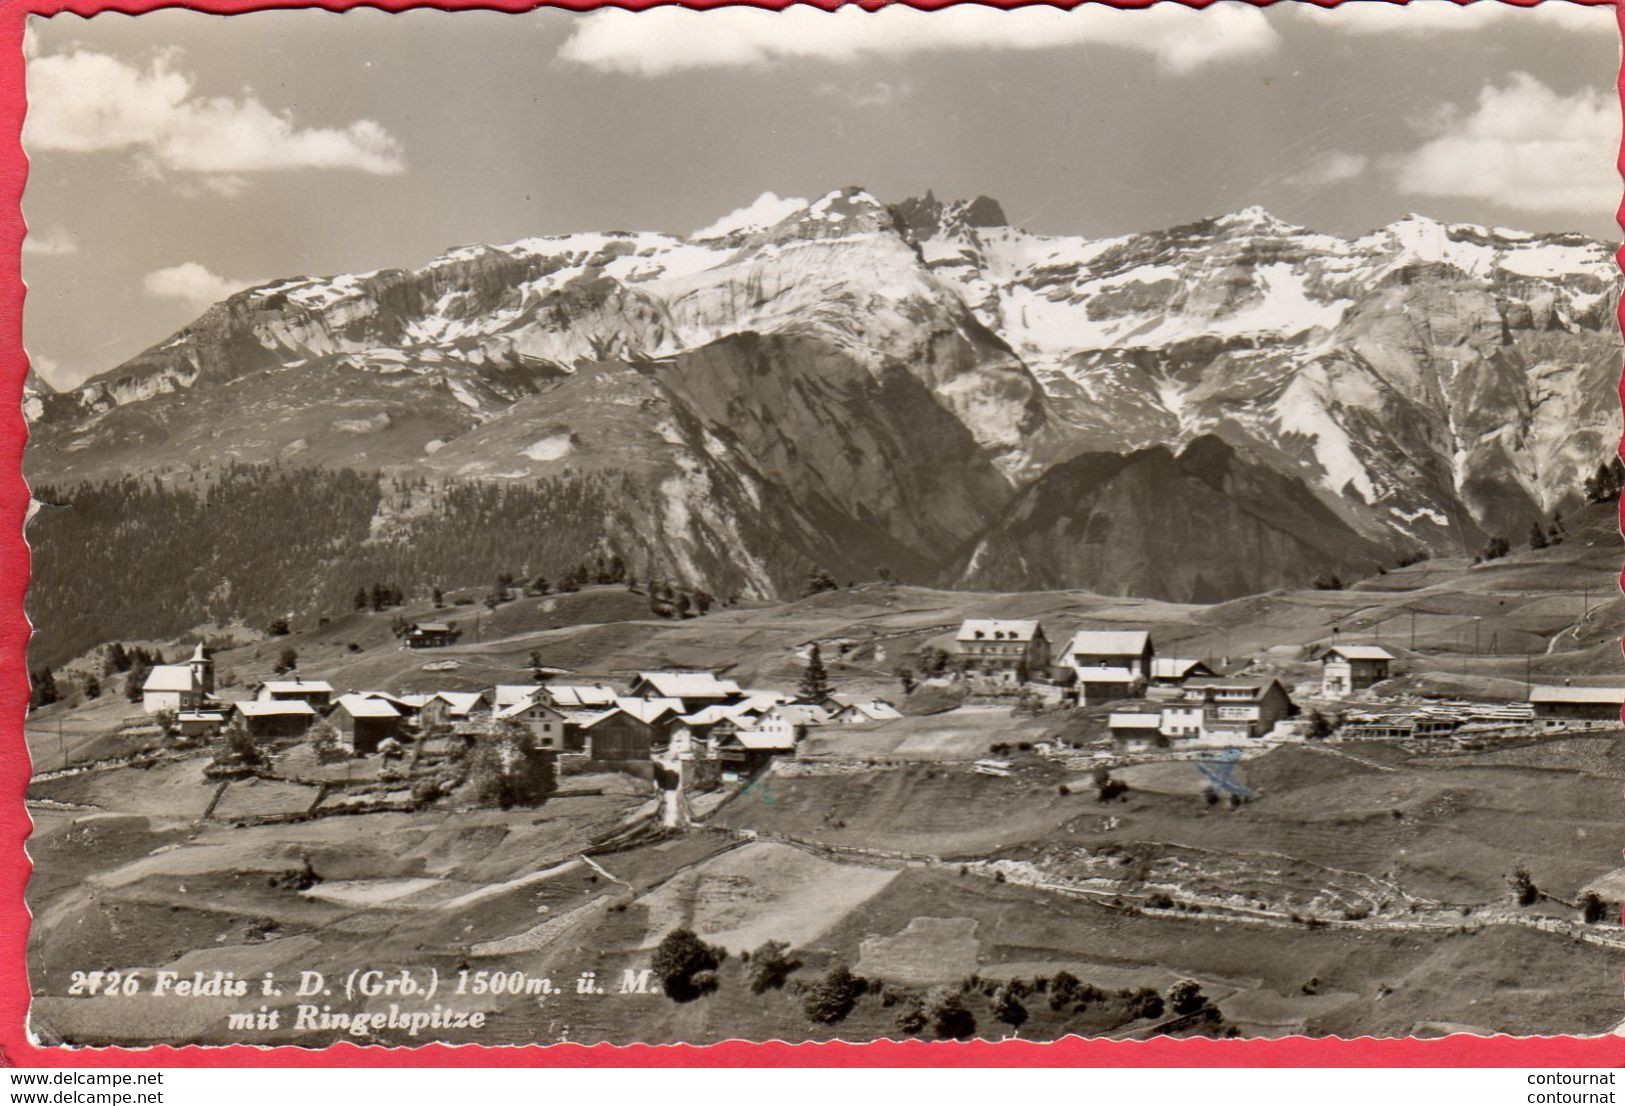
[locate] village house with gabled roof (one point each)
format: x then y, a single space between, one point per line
695 689
318 693
855 712
545 724
1130 649
431 635
1004 651
1345 669
1559 707
267 719
179 687
1239 706
631 730
365 722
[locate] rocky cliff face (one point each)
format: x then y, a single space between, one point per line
925 388
1414 377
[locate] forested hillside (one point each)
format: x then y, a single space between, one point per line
153 559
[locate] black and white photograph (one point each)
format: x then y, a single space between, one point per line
674 526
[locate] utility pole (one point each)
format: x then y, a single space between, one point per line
1413 629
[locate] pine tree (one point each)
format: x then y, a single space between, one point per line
1537 536
360 601
815 686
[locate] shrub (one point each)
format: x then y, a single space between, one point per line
1592 908
1523 888
911 1019
681 960
950 1018
1186 997
1144 1003
1007 1006
832 998
506 770
770 966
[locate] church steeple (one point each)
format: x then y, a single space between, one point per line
202 671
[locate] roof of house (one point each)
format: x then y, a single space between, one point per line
581 695
1258 686
1359 653
760 740
1104 674
268 708
711 715
999 629
508 694
648 710
583 717
366 706
1110 643
431 627
200 716
689 685
169 677
1577 695
1134 720
802 714
461 702
1172 668
292 687
876 710
513 710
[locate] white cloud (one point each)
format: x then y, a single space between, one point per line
1331 167
1523 146
49 243
193 284
1427 17
764 211
83 102
665 40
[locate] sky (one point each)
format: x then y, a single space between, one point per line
176 157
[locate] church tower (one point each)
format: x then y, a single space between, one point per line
202 671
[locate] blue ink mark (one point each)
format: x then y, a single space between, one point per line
1221 770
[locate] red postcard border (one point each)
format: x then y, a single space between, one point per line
17 1050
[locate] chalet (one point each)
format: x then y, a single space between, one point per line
1238 707
695 689
1006 651
317 693
1181 720
1118 649
199 723
749 751
409 707
854 712
1135 727
1345 669
179 687
576 722
462 708
431 635
265 719
632 729
364 722
1174 671
1556 707
594 697
545 724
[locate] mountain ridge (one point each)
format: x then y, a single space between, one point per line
860 386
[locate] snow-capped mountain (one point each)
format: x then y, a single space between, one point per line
922 387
